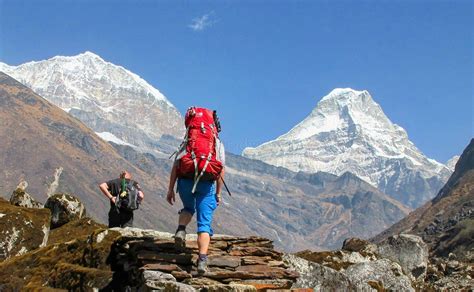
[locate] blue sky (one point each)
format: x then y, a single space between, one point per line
264 65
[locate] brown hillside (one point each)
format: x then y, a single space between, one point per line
37 137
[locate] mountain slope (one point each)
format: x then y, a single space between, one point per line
446 222
348 131
106 97
37 138
297 210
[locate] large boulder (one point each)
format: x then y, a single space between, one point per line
64 208
22 229
316 276
407 250
22 199
382 275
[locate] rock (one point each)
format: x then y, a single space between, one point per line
22 185
267 284
316 276
64 208
22 229
166 286
157 276
224 261
338 260
22 199
407 250
229 288
359 245
381 274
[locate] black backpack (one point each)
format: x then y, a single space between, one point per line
128 198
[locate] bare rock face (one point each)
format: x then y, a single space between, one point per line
380 274
407 250
22 199
317 276
22 229
64 208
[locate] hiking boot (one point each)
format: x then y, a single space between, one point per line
180 239
202 266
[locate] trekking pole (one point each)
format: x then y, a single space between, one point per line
225 185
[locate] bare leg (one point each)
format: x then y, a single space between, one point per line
203 242
184 218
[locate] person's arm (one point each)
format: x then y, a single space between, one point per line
105 190
141 195
171 196
220 182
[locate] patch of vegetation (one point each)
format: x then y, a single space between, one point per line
74 229
66 265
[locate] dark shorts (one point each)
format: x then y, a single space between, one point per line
202 202
120 218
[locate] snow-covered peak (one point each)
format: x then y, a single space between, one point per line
451 163
345 94
345 108
348 131
84 67
107 97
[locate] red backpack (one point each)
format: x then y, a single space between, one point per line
197 157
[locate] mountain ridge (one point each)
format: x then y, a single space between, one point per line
106 97
348 131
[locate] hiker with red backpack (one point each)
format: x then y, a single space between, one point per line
199 170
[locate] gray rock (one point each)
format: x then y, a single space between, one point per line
64 208
379 274
168 286
316 276
407 250
22 199
229 288
156 276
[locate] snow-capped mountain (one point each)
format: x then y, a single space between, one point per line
348 131
451 163
106 97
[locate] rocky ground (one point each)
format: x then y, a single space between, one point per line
400 263
59 247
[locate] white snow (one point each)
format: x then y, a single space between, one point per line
451 163
109 137
348 131
108 96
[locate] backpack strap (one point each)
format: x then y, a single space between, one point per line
193 156
181 146
123 188
196 180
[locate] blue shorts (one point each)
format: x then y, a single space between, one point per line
202 202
